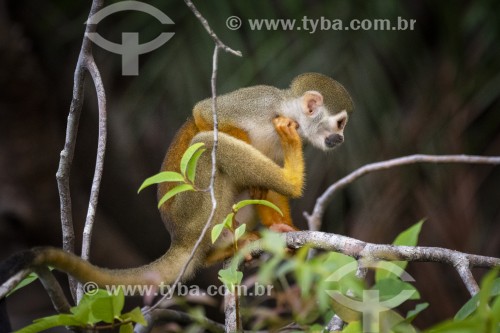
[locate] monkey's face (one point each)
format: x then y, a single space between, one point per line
323 130
317 124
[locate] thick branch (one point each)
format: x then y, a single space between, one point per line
462 262
314 220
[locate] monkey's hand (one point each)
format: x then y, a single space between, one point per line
287 131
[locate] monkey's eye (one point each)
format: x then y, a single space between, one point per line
340 123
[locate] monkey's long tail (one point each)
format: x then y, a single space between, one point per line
162 271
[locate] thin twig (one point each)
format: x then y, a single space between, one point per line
209 30
314 219
211 187
213 81
231 307
99 164
64 169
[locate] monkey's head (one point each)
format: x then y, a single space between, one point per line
322 108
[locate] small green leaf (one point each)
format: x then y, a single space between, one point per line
468 308
230 277
228 221
45 323
176 190
136 316
409 237
240 231
216 231
188 155
127 328
191 166
391 288
412 314
27 280
165 176
244 203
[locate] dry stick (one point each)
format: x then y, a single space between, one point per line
209 30
53 288
13 281
314 219
218 44
63 172
210 188
462 262
99 165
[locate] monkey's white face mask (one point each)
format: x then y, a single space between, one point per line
316 123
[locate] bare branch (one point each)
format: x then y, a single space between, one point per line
53 289
314 219
462 262
101 149
211 187
209 30
64 169
13 281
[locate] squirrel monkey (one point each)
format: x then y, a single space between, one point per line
319 104
239 166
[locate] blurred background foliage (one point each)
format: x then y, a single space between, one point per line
433 90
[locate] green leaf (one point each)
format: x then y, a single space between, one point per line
390 289
273 242
216 231
165 176
43 324
409 237
468 308
244 203
230 277
412 314
188 155
228 221
191 166
136 316
176 190
26 281
240 231
127 328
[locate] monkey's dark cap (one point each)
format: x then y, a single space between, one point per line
336 97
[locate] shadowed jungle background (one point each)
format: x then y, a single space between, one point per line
433 90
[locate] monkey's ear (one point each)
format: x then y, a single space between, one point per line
311 100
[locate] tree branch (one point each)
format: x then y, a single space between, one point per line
314 219
99 165
209 30
462 262
53 289
64 169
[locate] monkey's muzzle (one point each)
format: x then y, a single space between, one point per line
334 140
